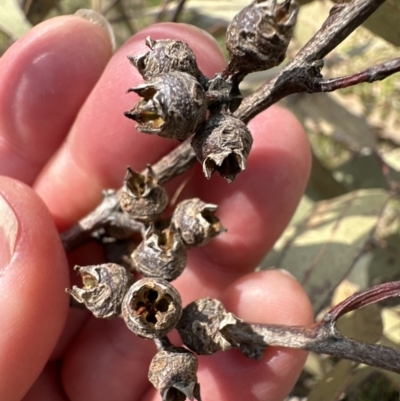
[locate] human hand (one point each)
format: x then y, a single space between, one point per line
62 132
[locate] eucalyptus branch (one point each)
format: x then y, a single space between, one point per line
163 8
300 75
323 337
303 72
222 331
179 8
343 19
375 73
109 211
107 214
98 218
175 163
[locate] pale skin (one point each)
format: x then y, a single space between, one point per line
63 134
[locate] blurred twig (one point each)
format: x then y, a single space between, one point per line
109 6
126 18
96 5
178 10
27 6
163 9
393 185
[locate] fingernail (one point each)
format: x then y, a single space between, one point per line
99 20
8 233
284 271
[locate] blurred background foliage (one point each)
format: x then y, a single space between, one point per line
345 235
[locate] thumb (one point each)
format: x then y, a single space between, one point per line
33 276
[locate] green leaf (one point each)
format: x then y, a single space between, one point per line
317 366
391 319
322 249
39 9
334 119
392 158
385 22
360 172
12 20
364 324
378 266
332 385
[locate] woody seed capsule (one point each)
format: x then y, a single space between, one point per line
142 197
174 105
151 308
173 373
201 324
104 287
223 144
196 222
160 254
258 36
206 327
166 55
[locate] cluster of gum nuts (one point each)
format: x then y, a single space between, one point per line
176 99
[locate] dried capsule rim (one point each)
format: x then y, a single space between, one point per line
151 308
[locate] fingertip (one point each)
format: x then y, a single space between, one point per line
106 361
32 287
99 21
67 25
281 127
271 296
275 297
47 387
46 76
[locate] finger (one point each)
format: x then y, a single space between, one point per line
107 362
103 142
255 209
46 77
265 297
75 322
33 277
47 387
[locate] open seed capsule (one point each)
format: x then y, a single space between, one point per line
174 105
161 254
166 55
223 144
258 36
196 222
173 372
151 308
104 287
142 197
